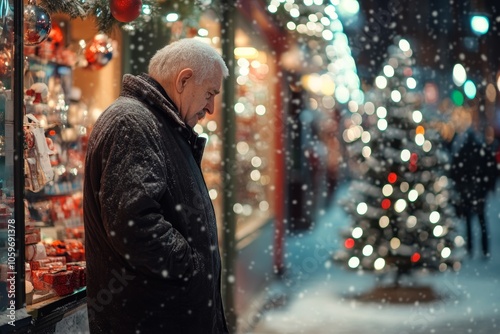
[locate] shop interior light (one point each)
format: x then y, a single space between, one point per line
246 52
203 32
479 24
172 17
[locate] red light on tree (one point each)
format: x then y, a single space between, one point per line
386 204
349 243
392 177
415 257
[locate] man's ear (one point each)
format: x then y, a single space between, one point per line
182 79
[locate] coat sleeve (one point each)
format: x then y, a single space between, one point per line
134 177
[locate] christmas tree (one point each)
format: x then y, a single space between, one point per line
399 196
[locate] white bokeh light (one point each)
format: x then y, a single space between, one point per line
381 82
387 190
419 139
368 250
411 83
434 217
362 208
459 74
357 232
381 112
411 221
383 221
438 231
388 71
366 151
353 262
445 253
412 195
379 264
382 124
405 155
400 205
417 116
396 96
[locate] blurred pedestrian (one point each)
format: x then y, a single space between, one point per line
473 171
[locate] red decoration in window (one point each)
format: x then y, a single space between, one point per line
392 177
386 204
349 243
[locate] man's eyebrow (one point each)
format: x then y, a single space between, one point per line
215 92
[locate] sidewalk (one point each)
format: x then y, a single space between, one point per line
316 293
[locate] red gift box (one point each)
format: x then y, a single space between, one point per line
49 262
33 238
61 282
37 280
29 229
79 273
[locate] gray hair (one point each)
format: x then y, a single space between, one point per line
186 53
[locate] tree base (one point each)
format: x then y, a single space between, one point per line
399 295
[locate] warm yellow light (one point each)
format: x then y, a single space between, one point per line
246 52
327 85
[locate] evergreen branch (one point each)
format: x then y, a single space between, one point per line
101 12
74 8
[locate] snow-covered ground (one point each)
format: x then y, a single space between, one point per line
317 293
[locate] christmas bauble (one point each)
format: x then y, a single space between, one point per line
99 52
56 34
125 10
37 24
5 62
6 26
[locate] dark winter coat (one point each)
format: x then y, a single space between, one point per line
153 262
473 171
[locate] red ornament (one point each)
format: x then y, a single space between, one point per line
349 243
37 24
415 257
392 177
386 204
56 34
99 52
5 62
125 10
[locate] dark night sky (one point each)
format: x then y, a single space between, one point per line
439 32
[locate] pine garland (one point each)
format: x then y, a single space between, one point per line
105 22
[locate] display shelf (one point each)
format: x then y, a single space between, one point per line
55 307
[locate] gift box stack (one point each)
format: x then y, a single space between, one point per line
49 270
53 273
53 268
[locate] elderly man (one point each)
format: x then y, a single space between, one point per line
151 237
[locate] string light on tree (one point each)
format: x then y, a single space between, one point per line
407 225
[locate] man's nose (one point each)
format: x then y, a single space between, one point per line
210 106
